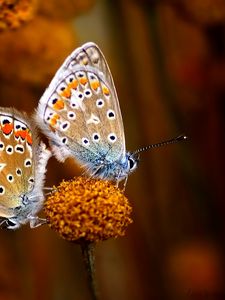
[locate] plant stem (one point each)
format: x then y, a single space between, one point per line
87 249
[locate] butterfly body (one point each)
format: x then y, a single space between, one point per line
80 114
22 167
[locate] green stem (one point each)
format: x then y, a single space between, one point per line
87 249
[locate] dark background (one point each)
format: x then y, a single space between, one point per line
168 63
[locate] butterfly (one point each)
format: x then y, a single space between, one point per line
23 160
80 113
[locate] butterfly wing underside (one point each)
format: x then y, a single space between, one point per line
17 168
23 160
80 111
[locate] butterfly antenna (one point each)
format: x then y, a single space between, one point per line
165 143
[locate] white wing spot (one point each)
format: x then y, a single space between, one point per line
19 148
70 79
31 180
17 125
2 190
2 146
96 137
71 115
80 74
2 166
18 172
64 140
5 119
9 149
93 119
64 126
112 137
100 103
111 114
85 142
76 100
10 178
27 163
87 93
92 76
61 88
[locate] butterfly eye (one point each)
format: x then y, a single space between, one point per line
2 190
100 103
132 163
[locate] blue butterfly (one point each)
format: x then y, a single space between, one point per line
80 114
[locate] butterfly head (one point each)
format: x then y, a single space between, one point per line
132 160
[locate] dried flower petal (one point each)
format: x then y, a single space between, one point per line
15 12
37 53
88 209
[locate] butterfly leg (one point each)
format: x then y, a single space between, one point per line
124 184
36 221
2 222
49 190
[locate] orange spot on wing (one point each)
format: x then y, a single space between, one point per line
105 90
21 133
7 128
73 84
83 81
66 93
54 120
58 105
94 85
29 139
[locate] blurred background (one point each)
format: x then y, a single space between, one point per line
167 58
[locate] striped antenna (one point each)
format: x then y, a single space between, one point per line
168 142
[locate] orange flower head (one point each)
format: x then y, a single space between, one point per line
88 209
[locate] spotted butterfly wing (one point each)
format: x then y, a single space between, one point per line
22 167
80 114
